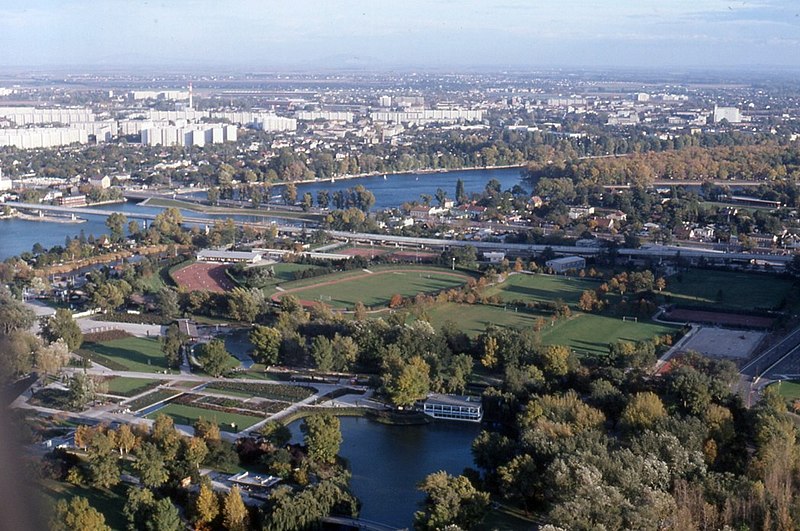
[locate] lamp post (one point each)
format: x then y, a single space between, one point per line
454 263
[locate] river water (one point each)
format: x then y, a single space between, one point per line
18 236
387 462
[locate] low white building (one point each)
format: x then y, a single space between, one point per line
229 257
566 263
453 407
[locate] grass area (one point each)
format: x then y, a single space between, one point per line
131 354
592 334
107 501
474 318
789 389
284 272
376 289
543 288
130 386
583 332
188 415
738 290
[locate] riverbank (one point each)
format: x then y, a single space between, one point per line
47 219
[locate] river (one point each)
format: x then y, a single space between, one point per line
18 236
387 462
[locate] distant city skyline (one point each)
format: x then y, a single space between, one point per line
438 34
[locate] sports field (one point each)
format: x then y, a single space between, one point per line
138 354
343 290
543 288
188 415
729 289
202 276
788 389
284 272
592 334
583 332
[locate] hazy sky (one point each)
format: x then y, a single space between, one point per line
376 33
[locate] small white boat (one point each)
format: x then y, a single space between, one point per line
384 176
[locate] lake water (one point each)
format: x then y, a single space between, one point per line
387 462
18 236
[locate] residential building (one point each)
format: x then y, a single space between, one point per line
731 114
71 200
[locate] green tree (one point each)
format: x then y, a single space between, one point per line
81 390
14 315
164 516
276 433
406 382
104 471
171 345
150 465
450 501
63 326
116 224
234 513
267 344
77 514
322 437
213 357
322 352
461 195
167 303
52 358
289 194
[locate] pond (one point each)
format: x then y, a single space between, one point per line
387 462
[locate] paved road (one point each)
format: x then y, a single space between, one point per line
782 356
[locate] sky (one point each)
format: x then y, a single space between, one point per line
439 34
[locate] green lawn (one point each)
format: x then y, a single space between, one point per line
474 318
588 333
376 289
543 288
130 386
740 290
133 353
789 389
592 334
188 415
107 501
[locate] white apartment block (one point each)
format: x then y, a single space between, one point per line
266 121
42 137
330 116
427 116
732 114
192 135
32 115
172 95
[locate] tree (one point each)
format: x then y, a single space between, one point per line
244 304
104 471
461 195
77 514
406 382
164 516
450 501
126 439
214 357
167 303
441 197
206 505
489 358
81 390
52 358
267 344
322 352
359 311
150 466
171 344
63 326
207 430
234 513
345 351
290 194
116 224
14 315
322 437
642 411
276 433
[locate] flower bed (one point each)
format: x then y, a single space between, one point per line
289 393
